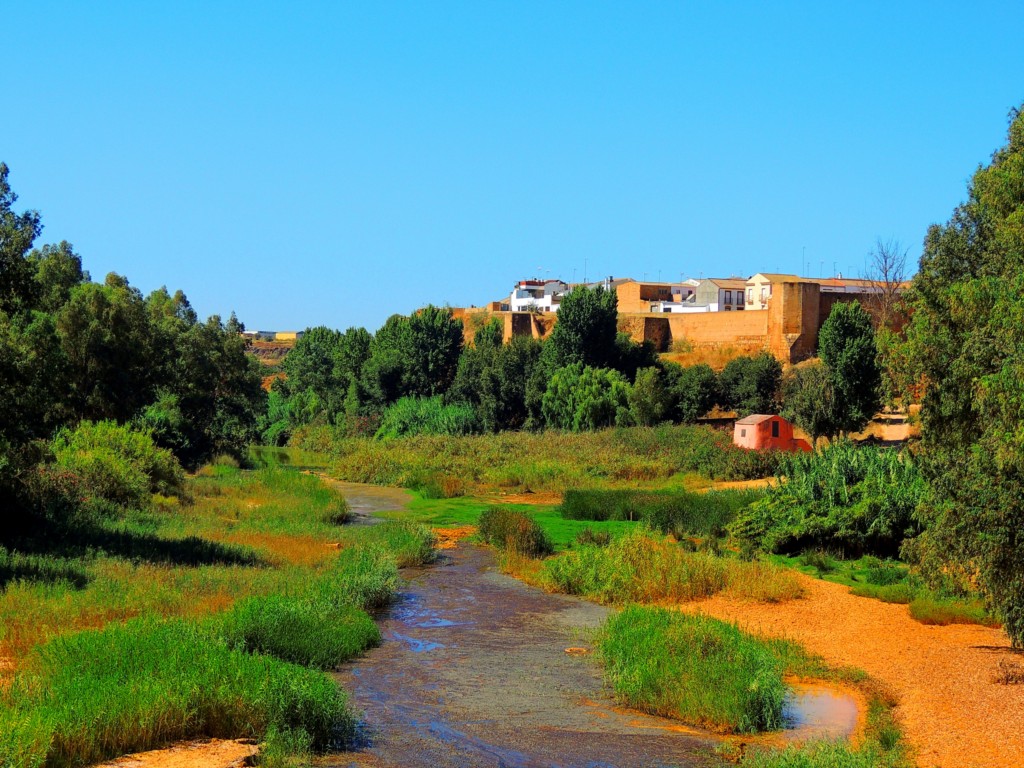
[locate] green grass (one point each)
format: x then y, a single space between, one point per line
101 693
892 582
314 633
642 566
466 510
182 620
541 461
694 668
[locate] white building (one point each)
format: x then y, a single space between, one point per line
537 295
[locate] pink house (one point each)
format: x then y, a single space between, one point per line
763 431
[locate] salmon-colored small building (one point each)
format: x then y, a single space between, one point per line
764 431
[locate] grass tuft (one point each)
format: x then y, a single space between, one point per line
694 668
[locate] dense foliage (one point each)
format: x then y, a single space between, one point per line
846 499
965 348
74 351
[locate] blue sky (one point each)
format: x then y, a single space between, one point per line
333 163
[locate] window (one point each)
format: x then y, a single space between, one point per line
775 429
743 433
750 295
728 297
764 293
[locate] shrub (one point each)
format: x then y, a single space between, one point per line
426 416
408 543
680 513
117 463
313 633
590 537
513 530
365 576
847 499
694 668
929 609
641 567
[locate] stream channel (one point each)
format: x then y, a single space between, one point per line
473 673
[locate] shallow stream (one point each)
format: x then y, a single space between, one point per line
473 672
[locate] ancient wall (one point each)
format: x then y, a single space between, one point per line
746 329
793 321
647 327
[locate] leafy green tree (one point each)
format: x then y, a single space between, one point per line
751 384
692 391
810 401
106 337
435 339
586 331
648 397
631 357
18 291
582 398
33 378
58 270
965 348
846 345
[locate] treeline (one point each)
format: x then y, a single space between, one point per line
98 382
415 376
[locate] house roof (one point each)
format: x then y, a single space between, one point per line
728 282
756 418
776 277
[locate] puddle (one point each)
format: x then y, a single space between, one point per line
815 711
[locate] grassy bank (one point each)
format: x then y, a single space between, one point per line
208 619
692 668
451 466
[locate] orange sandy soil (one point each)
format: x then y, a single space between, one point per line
212 753
540 498
952 711
449 538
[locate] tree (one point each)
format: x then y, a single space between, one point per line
692 391
648 398
106 336
17 233
965 348
58 270
846 345
581 398
586 329
887 274
810 401
751 384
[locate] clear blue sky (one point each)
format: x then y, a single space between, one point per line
333 163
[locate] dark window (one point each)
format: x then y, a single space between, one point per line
743 433
775 429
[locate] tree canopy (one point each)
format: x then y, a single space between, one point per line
965 348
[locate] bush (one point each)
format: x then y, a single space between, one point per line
426 416
694 668
590 537
641 567
680 513
117 463
302 631
512 530
846 499
408 543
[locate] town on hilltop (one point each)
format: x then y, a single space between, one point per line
782 313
